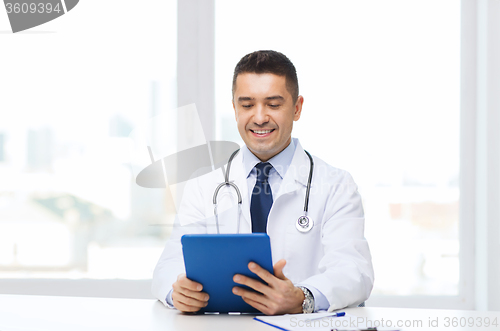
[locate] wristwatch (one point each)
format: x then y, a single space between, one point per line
308 304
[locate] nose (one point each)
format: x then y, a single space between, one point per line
260 116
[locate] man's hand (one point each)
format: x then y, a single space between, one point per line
278 297
187 296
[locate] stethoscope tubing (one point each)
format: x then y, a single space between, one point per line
300 227
308 189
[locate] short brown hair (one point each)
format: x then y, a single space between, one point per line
269 62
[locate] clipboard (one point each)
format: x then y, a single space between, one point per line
213 259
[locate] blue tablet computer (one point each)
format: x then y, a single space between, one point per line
213 259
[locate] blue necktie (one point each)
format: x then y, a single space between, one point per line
262 198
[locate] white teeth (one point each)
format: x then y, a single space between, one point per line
262 132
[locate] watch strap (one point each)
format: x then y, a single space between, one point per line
308 303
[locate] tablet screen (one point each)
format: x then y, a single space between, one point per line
213 259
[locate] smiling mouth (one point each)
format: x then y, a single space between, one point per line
262 132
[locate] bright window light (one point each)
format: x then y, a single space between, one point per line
380 81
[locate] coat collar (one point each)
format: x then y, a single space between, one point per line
295 177
238 176
298 172
280 162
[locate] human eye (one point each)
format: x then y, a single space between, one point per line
274 106
246 106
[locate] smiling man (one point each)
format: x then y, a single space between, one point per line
265 111
324 265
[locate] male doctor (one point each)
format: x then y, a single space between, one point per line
326 268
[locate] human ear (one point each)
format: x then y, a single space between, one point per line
298 108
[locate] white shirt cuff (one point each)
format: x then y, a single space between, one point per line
169 301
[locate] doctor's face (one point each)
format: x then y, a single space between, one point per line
265 113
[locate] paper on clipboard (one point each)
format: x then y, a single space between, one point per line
311 322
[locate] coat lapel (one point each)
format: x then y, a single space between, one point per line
295 178
239 178
297 174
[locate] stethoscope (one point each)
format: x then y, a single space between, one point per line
304 223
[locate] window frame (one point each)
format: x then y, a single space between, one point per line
479 234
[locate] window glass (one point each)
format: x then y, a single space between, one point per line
71 92
380 81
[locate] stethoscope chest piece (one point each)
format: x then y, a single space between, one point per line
304 224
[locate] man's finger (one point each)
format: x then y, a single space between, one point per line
188 284
256 300
252 283
278 269
188 301
244 293
200 296
262 273
184 308
257 305
187 293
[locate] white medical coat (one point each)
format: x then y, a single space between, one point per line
333 256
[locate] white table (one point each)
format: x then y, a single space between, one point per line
26 312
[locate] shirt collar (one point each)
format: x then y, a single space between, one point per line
280 161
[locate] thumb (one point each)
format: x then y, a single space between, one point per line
278 269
